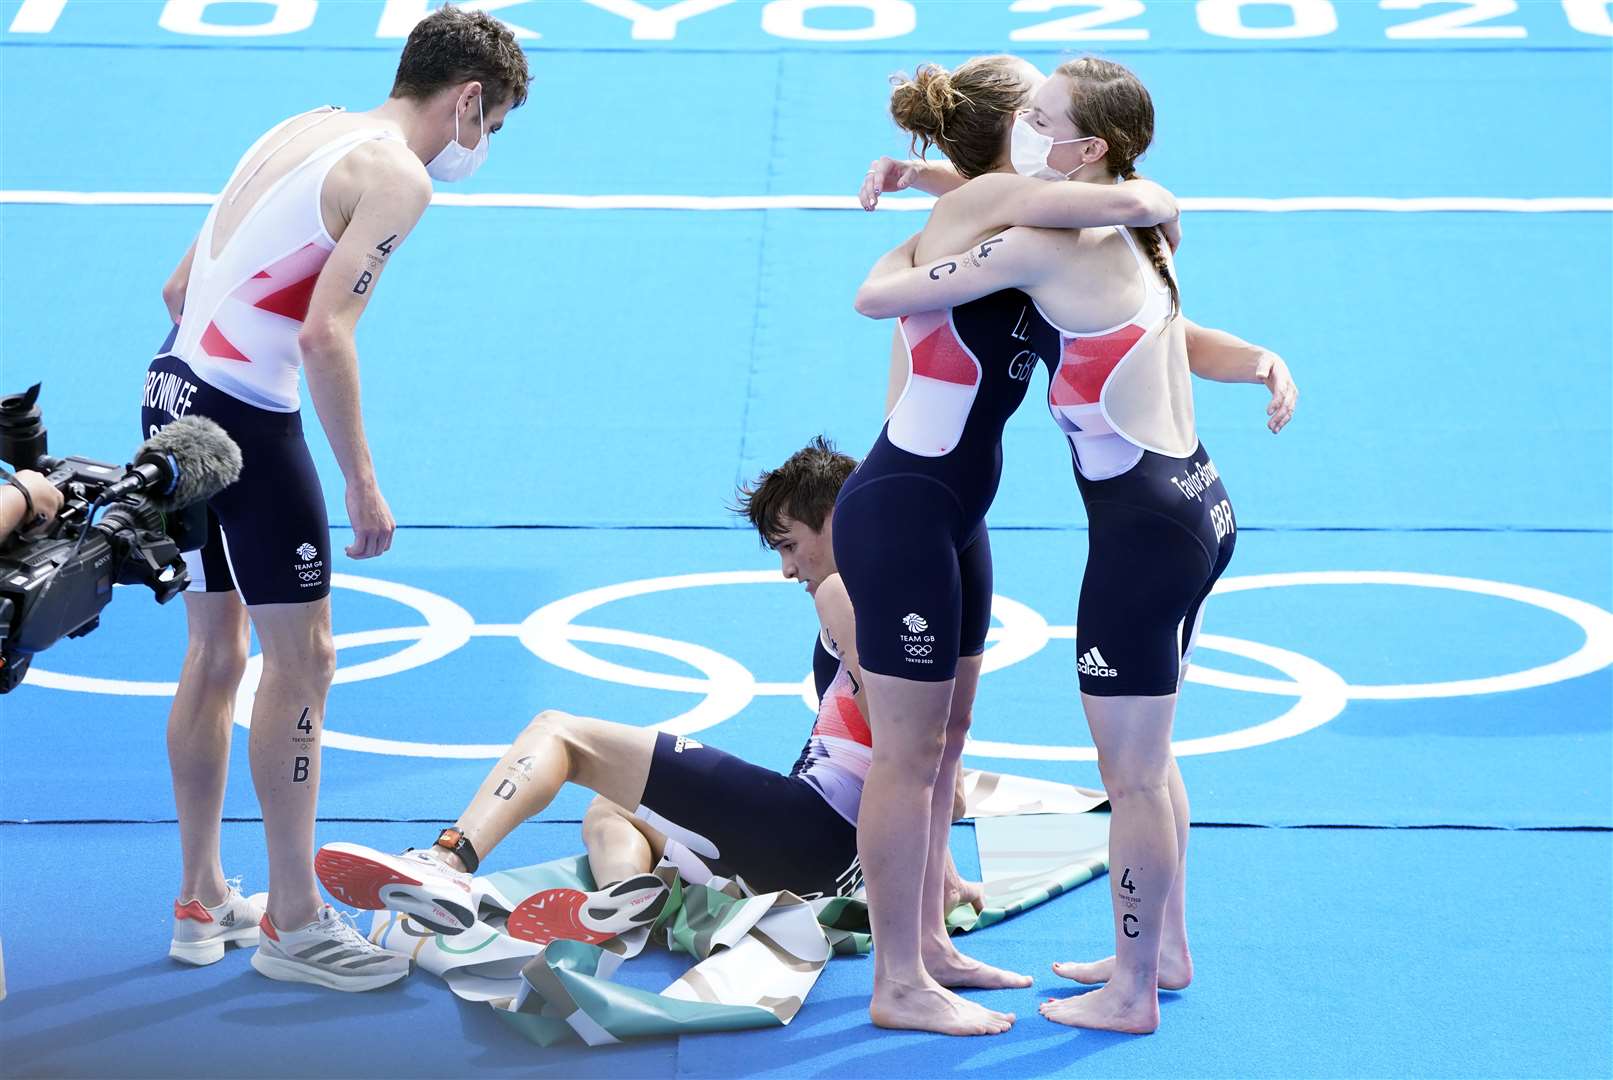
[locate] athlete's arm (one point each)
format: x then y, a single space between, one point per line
835 616
890 174
1012 259
1223 357
386 209
173 290
998 200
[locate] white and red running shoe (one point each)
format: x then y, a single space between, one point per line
593 917
202 933
327 952
414 883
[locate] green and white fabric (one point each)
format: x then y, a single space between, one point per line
755 957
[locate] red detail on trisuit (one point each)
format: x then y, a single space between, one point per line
260 274
1087 363
355 880
267 927
192 910
216 345
292 301
550 914
843 720
940 355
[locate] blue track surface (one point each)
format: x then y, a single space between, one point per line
1325 953
561 401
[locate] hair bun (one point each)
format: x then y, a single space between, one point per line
923 105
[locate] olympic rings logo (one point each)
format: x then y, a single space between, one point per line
918 650
726 686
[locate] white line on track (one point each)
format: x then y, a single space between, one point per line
534 201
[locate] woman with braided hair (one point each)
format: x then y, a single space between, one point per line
915 558
1161 526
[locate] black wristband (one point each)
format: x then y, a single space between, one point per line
456 841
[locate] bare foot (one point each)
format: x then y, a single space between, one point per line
931 1008
1175 969
961 892
952 968
1106 1009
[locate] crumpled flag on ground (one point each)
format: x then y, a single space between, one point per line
756 957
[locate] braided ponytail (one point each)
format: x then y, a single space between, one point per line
1153 242
1107 101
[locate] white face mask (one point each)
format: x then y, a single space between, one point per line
454 162
1028 150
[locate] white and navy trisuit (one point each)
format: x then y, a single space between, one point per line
1161 528
910 535
234 358
727 818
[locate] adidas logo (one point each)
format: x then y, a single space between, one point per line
1092 662
228 920
915 623
685 743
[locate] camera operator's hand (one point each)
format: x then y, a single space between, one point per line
47 502
371 518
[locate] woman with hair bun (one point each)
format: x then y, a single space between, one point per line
1162 529
911 544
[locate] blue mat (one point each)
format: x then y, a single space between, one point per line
1319 953
631 366
1529 757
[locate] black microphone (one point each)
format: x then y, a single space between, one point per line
187 461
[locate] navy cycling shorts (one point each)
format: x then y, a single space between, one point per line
918 575
739 820
1160 536
267 536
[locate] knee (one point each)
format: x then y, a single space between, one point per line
552 726
311 659
219 662
599 812
1135 777
915 759
551 723
322 657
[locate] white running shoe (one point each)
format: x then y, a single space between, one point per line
201 933
574 915
415 883
327 952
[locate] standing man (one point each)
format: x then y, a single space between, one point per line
284 265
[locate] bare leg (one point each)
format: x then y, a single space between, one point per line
908 719
199 728
942 960
1133 739
288 718
556 748
619 845
1175 958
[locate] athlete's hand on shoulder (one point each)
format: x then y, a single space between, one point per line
1172 231
885 174
1273 371
372 520
1155 204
